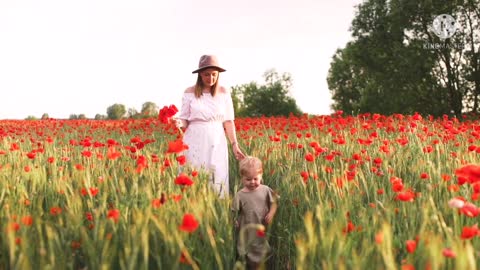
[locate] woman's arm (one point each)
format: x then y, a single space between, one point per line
232 137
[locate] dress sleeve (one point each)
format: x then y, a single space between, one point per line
229 113
185 110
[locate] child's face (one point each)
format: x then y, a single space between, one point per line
252 179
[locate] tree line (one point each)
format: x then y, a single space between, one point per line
398 63
271 98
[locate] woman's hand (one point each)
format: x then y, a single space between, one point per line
180 123
239 155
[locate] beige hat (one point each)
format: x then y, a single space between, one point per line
208 61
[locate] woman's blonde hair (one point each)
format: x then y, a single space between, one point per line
199 85
249 163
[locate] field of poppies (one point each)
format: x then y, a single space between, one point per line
356 192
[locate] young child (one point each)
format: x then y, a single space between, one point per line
254 205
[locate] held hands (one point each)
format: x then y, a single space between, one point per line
239 155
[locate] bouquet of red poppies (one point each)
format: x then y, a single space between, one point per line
166 113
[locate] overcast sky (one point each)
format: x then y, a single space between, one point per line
72 57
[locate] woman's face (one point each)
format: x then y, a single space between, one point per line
209 76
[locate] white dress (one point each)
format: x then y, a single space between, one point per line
205 135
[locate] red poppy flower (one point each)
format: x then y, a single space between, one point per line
14 147
166 162
448 253
469 232
378 161
304 175
349 228
428 149
93 191
177 198
309 157
31 155
54 211
112 153
411 245
183 259
470 210
469 172
79 167
111 142
142 163
189 223
261 233
89 216
181 160
26 202
14 226
405 196
397 187
27 220
113 214
156 203
183 180
166 113
379 237
87 153
176 146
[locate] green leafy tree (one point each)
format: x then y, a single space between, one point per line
149 109
269 99
45 116
100 116
133 113
388 67
116 111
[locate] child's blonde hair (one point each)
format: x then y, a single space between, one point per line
249 163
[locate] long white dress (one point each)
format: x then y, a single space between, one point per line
205 135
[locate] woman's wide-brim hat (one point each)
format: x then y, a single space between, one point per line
208 61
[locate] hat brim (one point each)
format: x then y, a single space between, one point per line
202 68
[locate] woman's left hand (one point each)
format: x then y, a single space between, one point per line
237 152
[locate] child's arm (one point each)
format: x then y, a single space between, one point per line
235 209
271 213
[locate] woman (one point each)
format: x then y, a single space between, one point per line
207 111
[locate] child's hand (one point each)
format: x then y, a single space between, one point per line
236 224
269 218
